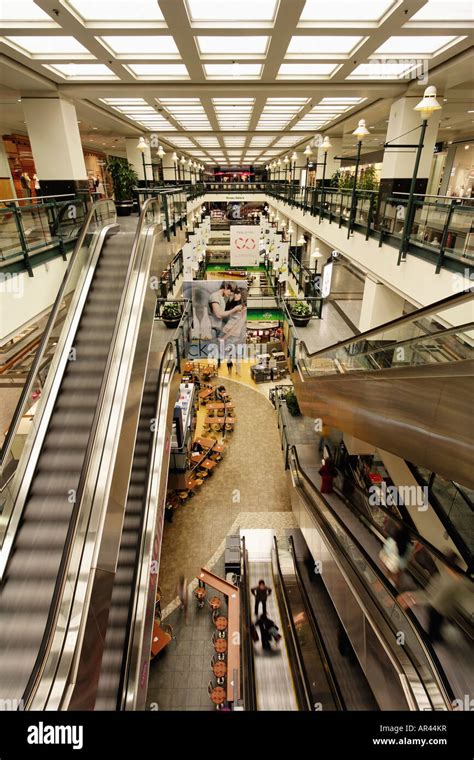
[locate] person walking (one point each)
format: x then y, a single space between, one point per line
328 472
446 591
261 594
230 364
182 593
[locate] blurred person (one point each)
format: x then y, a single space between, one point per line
328 472
182 593
397 551
442 596
261 594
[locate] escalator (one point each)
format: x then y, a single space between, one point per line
346 543
52 525
405 387
320 681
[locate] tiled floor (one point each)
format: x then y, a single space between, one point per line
251 478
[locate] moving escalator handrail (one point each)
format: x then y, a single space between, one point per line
248 663
300 678
167 366
450 302
312 619
39 355
86 490
426 648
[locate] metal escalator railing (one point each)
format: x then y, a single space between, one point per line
325 676
50 673
421 674
100 222
123 599
247 653
134 678
411 340
295 657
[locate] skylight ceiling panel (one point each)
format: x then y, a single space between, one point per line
352 101
416 46
81 71
314 46
158 71
383 70
123 101
230 12
150 46
49 47
442 10
346 10
228 71
306 70
116 10
231 46
24 11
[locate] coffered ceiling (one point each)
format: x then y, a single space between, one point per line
234 82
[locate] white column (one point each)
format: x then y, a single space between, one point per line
379 304
397 166
7 187
332 166
56 144
168 167
134 156
300 164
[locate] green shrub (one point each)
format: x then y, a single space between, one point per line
171 310
124 178
301 309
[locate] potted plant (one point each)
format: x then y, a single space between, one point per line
171 314
124 179
300 313
292 404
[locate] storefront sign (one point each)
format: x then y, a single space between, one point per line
244 245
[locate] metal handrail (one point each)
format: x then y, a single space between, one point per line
250 701
296 663
449 302
445 691
84 487
313 622
29 382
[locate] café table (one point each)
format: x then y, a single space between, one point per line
205 393
196 457
218 695
221 623
220 647
205 443
160 639
200 592
215 603
208 464
219 669
216 406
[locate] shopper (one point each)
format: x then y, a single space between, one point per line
445 591
328 472
182 593
396 552
230 364
264 624
261 594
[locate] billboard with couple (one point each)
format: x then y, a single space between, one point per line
219 311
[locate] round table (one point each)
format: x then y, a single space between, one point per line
200 592
221 623
220 645
219 669
218 695
215 602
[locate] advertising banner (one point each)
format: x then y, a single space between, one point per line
219 315
280 263
327 277
244 245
